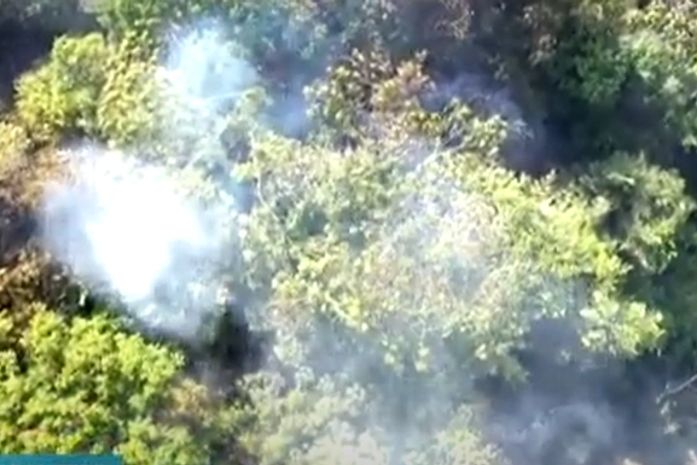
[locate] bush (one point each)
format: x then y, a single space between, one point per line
84 385
61 96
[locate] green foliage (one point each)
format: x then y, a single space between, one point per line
15 144
343 445
458 444
595 69
415 246
648 208
282 420
268 28
659 40
63 94
29 278
149 16
85 386
130 97
89 86
311 420
674 291
122 15
369 94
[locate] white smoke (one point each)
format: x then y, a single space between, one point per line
206 69
143 214
126 228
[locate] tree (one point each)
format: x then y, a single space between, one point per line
417 249
86 87
658 39
84 385
323 420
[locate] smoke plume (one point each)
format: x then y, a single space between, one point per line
117 213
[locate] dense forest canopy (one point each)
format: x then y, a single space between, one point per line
314 232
